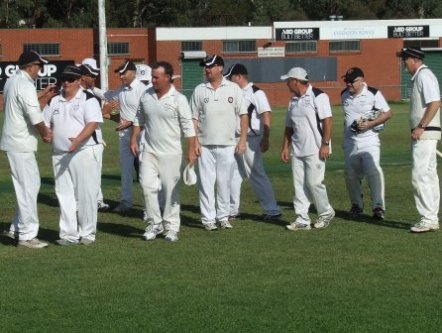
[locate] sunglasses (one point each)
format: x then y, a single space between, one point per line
68 79
351 81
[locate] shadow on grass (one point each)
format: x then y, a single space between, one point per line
43 234
364 218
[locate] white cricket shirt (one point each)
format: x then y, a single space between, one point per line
21 112
304 116
357 106
164 120
68 118
216 111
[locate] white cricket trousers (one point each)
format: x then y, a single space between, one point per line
161 173
215 167
126 166
425 179
77 176
251 166
26 180
363 162
308 180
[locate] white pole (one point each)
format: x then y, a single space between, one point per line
103 45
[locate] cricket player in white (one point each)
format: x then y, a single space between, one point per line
165 115
365 108
89 73
250 165
129 97
73 116
215 106
23 122
424 120
307 135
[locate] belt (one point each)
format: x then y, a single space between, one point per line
429 128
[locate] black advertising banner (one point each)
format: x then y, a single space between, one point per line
408 31
47 75
292 34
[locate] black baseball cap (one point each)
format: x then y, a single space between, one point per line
31 56
126 66
88 70
71 72
352 74
212 60
236 69
411 52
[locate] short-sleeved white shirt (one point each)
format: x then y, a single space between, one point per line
357 106
256 99
129 98
21 112
216 111
68 118
304 116
424 90
164 120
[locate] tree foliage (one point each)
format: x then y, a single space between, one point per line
148 13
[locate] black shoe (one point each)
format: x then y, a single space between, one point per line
268 217
355 211
378 213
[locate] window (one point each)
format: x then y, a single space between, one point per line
117 48
345 46
192 46
44 49
301 47
239 46
422 43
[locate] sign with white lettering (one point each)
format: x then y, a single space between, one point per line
291 34
271 52
411 31
46 76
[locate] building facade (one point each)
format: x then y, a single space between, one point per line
325 48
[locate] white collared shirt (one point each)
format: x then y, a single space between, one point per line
216 111
164 120
21 112
304 116
68 118
129 98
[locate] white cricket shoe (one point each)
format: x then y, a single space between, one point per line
209 226
295 226
424 227
171 236
152 231
225 224
33 243
324 220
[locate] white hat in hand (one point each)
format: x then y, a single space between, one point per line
189 175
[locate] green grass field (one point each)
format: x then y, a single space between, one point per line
355 276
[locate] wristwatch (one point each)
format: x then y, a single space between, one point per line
421 126
325 143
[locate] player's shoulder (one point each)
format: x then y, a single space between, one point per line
372 90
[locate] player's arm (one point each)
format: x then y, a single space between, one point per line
244 124
324 151
44 131
286 139
266 119
196 142
429 114
85 134
191 153
134 140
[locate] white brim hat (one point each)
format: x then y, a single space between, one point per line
189 175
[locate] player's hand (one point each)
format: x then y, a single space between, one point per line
285 155
240 148
265 144
417 133
123 125
324 152
74 145
47 137
197 148
134 148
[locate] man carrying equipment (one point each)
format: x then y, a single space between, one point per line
365 109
